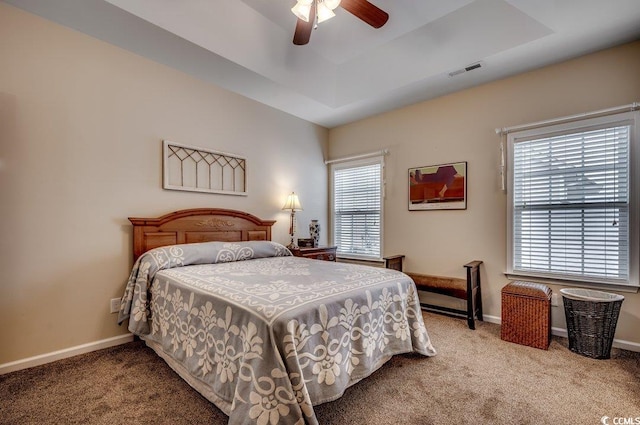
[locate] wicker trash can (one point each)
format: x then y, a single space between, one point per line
592 317
526 314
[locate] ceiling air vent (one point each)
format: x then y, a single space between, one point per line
466 69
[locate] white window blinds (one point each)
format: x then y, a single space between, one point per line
571 206
357 206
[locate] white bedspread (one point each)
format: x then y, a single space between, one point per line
267 338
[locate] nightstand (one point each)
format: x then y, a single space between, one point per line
326 253
394 262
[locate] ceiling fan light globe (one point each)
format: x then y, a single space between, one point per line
324 12
302 10
331 4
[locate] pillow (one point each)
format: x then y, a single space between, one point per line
167 257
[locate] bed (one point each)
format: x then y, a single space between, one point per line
262 334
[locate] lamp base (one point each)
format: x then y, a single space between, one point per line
292 245
292 230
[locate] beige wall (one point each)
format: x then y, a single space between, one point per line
460 127
81 127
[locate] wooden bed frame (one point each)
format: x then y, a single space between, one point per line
197 225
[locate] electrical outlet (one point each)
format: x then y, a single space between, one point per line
554 300
114 305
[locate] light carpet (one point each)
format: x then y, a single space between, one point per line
476 378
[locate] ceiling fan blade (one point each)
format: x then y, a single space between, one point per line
303 29
366 11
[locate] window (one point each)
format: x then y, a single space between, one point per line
357 208
573 201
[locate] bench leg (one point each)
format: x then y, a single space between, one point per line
479 299
474 296
470 300
470 316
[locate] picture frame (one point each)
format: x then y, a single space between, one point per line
194 169
306 243
438 187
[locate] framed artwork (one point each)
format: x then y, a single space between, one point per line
438 187
203 170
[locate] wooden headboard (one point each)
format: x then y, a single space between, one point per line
197 225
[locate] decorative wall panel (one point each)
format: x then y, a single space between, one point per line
203 170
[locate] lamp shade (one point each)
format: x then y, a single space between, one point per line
293 203
331 4
302 9
324 12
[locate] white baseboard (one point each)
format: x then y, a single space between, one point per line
561 332
63 354
123 339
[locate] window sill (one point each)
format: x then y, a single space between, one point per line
361 260
588 285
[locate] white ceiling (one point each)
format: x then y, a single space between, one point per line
349 70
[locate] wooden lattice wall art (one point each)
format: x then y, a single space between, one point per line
203 170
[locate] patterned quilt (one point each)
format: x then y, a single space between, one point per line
265 335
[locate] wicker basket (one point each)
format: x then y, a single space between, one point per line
526 314
592 317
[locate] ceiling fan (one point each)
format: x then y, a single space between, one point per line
312 12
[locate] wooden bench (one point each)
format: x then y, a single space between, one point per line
465 289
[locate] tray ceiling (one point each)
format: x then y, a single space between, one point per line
350 70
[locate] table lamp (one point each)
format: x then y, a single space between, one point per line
292 204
